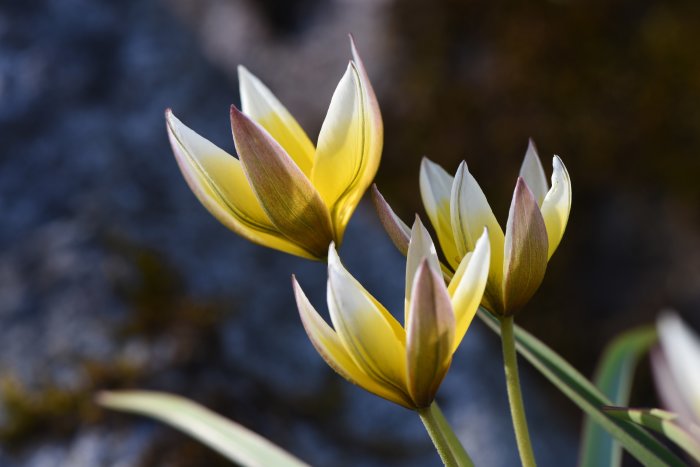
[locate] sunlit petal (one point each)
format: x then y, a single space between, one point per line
286 195
557 205
525 260
218 181
533 173
329 346
430 334
468 284
435 190
258 103
470 212
349 145
372 337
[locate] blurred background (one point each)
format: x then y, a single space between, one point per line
113 276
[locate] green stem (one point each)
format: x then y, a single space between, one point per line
515 398
448 446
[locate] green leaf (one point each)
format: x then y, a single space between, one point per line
614 377
230 439
686 436
640 444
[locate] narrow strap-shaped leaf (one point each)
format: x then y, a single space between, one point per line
665 423
614 377
228 438
640 444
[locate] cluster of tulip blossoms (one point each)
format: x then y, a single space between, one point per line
284 193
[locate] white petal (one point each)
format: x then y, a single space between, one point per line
420 247
435 190
557 204
533 173
682 349
470 214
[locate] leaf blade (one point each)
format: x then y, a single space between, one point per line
230 439
663 422
614 377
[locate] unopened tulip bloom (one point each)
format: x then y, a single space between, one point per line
458 210
368 346
281 191
676 369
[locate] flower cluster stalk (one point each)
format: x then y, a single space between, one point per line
448 446
515 398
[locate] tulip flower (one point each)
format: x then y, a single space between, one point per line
281 192
368 346
458 210
676 369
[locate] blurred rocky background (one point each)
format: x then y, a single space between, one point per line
113 276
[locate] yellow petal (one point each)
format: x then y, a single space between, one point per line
526 246
430 334
533 173
470 214
420 248
468 284
557 205
372 337
329 346
435 189
349 145
218 181
285 194
258 102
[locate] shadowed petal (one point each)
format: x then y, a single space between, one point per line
420 248
435 190
349 145
533 173
284 192
372 337
468 284
258 103
430 334
218 181
526 248
682 351
398 231
470 213
557 205
329 346
667 388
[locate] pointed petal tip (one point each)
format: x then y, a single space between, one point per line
531 145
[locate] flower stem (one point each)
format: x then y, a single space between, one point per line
448 446
515 398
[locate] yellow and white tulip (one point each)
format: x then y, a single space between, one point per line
370 348
458 210
282 192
